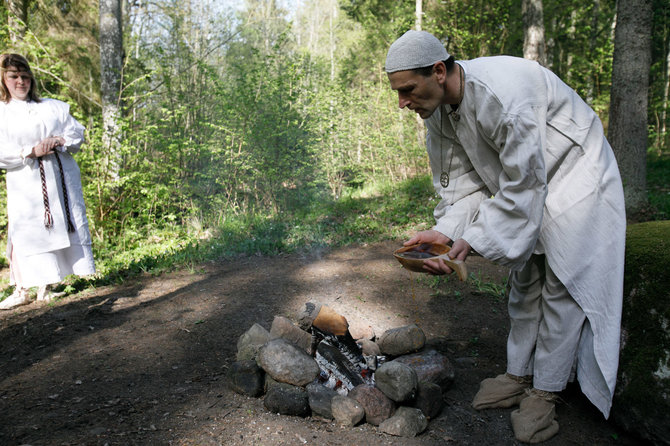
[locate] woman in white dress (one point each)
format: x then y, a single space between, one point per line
48 236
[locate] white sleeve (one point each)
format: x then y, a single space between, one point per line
460 200
72 130
12 155
508 226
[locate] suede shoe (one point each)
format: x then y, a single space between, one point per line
535 419
503 391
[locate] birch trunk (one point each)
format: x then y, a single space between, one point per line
664 112
533 24
111 65
17 19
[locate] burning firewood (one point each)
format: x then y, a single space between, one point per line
340 358
327 320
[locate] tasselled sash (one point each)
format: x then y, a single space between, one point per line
48 218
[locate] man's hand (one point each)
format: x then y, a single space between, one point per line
459 250
430 236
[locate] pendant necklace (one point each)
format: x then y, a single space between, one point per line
444 176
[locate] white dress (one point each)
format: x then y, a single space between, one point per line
40 255
532 172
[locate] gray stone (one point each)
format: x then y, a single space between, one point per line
431 366
246 378
251 341
378 407
398 381
346 411
369 348
269 382
246 352
287 363
286 399
283 328
360 331
402 340
320 399
406 422
642 397
428 399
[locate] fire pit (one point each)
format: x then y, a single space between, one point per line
315 367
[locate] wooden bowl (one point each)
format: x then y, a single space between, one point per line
412 258
424 249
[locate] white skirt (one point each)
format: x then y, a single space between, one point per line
51 267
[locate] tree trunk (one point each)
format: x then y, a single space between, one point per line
111 65
418 19
331 34
664 113
627 131
17 19
533 24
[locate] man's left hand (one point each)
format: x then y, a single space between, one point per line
459 251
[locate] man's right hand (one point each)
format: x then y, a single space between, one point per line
430 236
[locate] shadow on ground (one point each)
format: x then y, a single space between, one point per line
145 363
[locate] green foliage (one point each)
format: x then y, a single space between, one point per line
658 188
497 290
62 48
580 47
245 132
387 211
477 28
658 99
4 30
383 22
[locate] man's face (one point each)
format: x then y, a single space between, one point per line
18 83
416 92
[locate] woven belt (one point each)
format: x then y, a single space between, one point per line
48 219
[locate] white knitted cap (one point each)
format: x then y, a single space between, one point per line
414 49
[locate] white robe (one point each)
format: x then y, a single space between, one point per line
44 255
533 172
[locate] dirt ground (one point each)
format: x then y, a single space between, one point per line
145 363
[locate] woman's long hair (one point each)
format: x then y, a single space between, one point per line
20 63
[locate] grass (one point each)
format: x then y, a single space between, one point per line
497 290
376 212
379 212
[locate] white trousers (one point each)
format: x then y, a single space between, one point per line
546 325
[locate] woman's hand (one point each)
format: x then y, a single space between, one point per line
46 146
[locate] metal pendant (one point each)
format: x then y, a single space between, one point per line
444 179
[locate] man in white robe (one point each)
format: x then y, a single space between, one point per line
528 180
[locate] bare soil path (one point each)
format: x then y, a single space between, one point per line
145 363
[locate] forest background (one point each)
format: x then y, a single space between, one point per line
262 126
